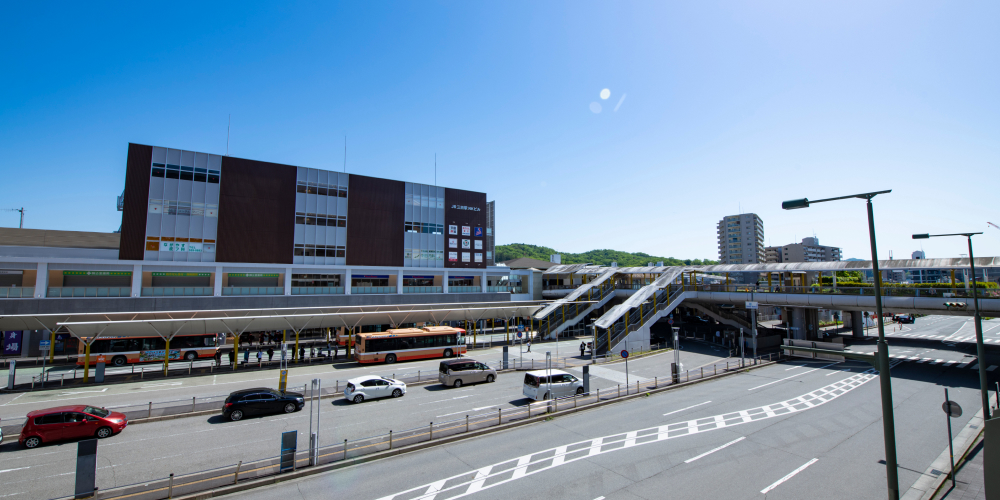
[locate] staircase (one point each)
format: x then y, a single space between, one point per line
569 310
645 307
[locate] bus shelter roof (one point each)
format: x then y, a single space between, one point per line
238 321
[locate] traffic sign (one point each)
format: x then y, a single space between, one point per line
952 409
44 345
519 334
670 321
624 354
751 305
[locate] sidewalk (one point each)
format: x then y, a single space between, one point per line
969 480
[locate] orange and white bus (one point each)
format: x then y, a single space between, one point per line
120 351
410 343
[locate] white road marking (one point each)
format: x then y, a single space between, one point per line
794 367
465 411
789 476
162 384
991 368
709 452
461 485
8 470
841 371
688 408
81 392
791 376
11 401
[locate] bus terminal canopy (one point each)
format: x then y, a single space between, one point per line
236 321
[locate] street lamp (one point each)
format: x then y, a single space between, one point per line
980 347
888 422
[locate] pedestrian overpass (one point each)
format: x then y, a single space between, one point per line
648 294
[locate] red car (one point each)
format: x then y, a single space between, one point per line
70 422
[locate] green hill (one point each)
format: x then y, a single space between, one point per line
600 257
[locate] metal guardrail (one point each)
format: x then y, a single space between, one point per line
89 292
185 484
242 290
888 290
17 292
317 290
177 291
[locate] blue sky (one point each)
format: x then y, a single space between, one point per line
727 106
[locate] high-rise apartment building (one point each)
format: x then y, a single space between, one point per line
741 239
808 251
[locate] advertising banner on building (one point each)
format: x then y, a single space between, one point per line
452 256
12 343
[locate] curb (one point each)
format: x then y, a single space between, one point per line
929 484
279 478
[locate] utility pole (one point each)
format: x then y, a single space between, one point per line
21 225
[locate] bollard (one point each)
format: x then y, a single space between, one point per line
236 477
336 389
637 387
619 390
418 375
62 378
211 368
431 427
703 372
150 413
656 382
466 423
190 366
529 410
727 366
687 375
142 371
574 400
192 403
715 369
390 439
499 416
345 449
170 486
598 395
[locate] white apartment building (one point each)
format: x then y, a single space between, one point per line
741 239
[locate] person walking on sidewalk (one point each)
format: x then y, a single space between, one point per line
218 357
270 354
259 355
529 344
583 347
246 356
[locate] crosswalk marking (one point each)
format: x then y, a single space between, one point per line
933 361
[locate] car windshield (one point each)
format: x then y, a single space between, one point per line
100 412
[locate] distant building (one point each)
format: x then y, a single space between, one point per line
741 239
919 254
808 251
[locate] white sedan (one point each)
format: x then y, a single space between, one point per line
372 387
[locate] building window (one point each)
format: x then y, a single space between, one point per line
321 219
322 189
320 251
423 227
185 173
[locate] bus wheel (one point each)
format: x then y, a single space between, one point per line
390 358
448 353
191 356
119 361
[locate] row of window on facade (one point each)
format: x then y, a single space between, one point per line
423 227
321 219
191 208
322 189
172 244
417 200
320 251
466 256
196 174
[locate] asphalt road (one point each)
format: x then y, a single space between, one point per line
819 437
154 450
947 329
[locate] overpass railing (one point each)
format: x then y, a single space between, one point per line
570 310
888 290
637 317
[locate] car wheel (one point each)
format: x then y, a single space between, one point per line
390 358
579 390
490 379
397 393
191 356
119 361
235 415
359 399
32 442
104 432
448 353
290 407
546 396
457 383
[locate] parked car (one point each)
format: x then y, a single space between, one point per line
904 318
260 401
457 372
70 422
373 387
537 386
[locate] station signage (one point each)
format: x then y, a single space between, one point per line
175 246
182 274
253 275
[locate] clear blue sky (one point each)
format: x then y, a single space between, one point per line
727 106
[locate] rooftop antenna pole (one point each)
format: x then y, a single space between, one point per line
228 128
435 169
345 153
16 210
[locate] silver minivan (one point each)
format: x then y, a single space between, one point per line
457 372
537 386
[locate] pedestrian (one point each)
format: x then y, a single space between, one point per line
583 347
312 352
270 354
259 355
336 347
302 353
218 357
232 358
529 344
246 356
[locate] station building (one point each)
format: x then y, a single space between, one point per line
202 231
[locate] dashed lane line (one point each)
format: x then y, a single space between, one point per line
789 476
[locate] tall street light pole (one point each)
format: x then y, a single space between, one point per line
888 421
980 346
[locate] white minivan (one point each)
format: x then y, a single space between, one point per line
536 384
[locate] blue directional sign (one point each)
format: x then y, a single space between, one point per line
624 354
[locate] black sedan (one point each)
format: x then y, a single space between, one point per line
261 401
